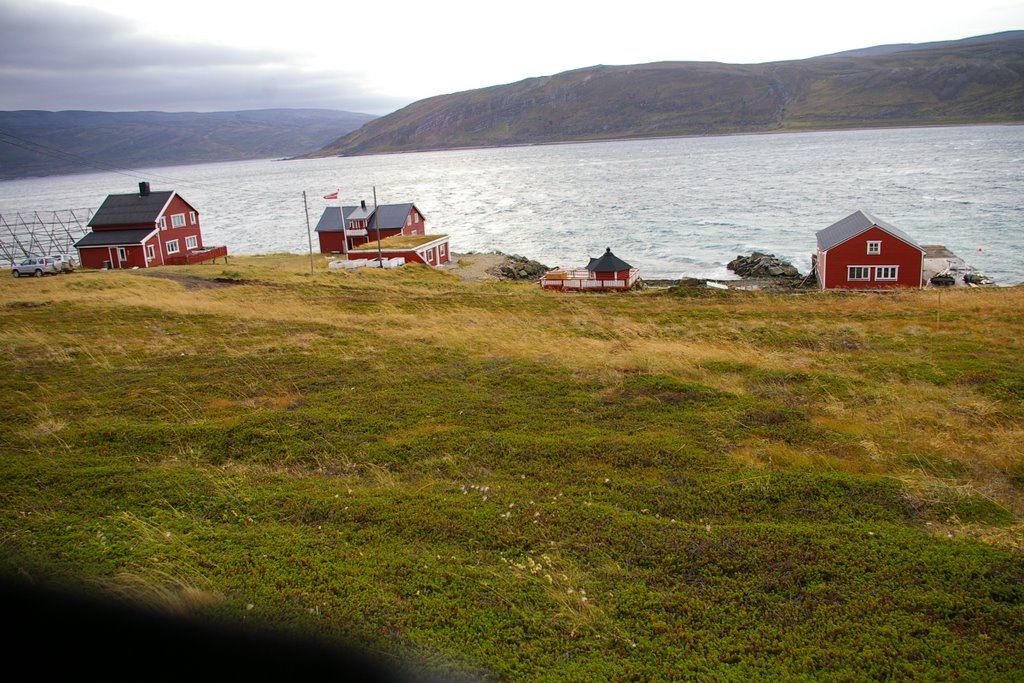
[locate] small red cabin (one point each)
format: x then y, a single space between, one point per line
862 252
605 272
143 230
361 225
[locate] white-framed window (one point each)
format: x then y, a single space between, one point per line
178 220
858 272
874 247
191 242
172 247
441 250
122 254
887 272
150 252
192 217
163 222
408 219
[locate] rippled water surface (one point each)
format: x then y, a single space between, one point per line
674 207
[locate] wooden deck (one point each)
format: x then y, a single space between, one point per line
583 280
198 256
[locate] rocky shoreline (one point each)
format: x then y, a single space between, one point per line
756 272
515 267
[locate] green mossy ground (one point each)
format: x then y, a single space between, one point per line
495 481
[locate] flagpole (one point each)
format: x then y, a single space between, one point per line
344 228
309 234
376 222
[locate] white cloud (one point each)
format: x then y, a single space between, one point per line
61 57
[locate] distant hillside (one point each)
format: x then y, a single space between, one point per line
976 80
40 143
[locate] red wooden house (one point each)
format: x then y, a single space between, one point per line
343 228
862 252
144 230
605 272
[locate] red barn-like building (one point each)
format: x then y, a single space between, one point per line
143 230
362 224
862 252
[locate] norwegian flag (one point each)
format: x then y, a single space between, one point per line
333 195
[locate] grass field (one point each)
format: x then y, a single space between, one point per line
490 481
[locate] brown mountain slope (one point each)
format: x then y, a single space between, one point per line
976 80
41 143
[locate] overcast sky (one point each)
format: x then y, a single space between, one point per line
375 57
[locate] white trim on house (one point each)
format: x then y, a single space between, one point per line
853 273
192 242
167 204
372 253
887 277
172 246
160 247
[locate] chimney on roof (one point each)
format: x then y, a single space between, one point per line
362 203
144 189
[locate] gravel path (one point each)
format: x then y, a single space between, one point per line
476 266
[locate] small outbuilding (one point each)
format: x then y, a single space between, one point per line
863 252
607 271
145 229
430 250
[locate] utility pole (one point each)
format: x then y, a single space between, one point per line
376 223
309 234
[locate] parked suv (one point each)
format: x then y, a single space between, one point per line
35 266
65 263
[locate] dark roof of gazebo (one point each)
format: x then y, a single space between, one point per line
607 263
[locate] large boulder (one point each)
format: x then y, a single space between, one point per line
519 268
759 265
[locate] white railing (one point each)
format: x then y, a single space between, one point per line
583 279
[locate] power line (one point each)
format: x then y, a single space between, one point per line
45 150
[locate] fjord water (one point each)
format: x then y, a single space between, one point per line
671 207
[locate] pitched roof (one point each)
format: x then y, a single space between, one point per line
131 209
112 238
330 220
358 213
853 225
607 263
390 216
